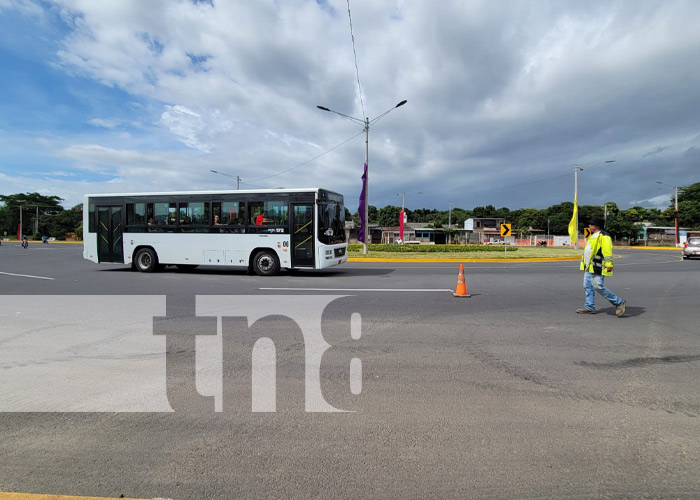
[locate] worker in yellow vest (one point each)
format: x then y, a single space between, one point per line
596 264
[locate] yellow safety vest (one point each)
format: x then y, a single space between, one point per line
601 255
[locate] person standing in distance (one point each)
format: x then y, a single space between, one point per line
596 264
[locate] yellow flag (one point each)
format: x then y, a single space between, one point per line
573 230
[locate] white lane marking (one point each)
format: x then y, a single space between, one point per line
27 276
361 289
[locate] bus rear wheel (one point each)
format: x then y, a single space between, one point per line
146 260
266 263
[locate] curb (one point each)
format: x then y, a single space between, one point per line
39 242
524 259
34 496
678 249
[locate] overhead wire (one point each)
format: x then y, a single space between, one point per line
357 70
307 161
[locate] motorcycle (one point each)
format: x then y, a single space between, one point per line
25 243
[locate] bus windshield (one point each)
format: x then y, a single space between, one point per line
331 220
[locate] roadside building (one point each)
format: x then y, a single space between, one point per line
483 230
392 234
429 235
650 235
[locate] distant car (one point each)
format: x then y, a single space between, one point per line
498 242
692 248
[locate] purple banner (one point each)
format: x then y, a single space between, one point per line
361 209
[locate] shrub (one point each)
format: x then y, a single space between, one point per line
357 247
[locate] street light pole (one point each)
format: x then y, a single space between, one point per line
401 215
238 179
365 123
605 212
21 226
449 221
675 190
577 168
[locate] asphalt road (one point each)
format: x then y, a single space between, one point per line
507 394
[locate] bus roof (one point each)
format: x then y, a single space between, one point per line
214 192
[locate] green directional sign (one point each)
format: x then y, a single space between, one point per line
505 230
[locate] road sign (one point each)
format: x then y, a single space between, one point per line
586 232
505 229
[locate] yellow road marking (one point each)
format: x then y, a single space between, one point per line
524 259
31 496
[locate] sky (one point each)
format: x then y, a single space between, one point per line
504 98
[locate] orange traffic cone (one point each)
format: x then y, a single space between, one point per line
461 285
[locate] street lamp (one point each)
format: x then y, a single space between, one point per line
675 190
21 228
577 168
238 179
365 123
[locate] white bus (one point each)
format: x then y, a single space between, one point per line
265 230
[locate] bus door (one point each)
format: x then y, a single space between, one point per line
109 234
303 235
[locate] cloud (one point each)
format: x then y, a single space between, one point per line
499 95
106 123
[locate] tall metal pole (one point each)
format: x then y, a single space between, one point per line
576 201
21 227
365 123
365 247
576 169
605 212
449 222
675 191
678 236
238 179
36 221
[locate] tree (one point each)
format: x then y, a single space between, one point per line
30 203
559 217
372 214
388 216
689 205
619 228
66 221
531 218
489 211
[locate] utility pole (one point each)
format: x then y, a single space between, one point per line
576 170
365 123
21 227
238 179
449 222
675 190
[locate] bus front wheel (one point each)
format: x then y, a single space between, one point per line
266 263
146 260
